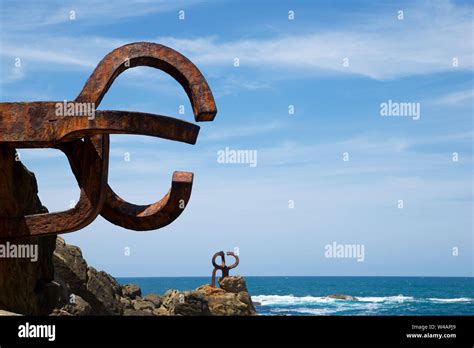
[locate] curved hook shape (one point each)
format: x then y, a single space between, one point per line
236 263
155 56
158 214
166 210
89 163
222 265
41 127
152 216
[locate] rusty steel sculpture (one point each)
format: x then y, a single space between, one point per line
222 267
85 142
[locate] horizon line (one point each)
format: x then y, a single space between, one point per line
308 276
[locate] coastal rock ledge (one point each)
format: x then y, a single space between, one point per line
89 292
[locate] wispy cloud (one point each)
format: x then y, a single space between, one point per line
456 98
423 43
241 131
369 154
37 14
57 52
232 84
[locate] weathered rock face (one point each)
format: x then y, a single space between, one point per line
131 291
188 303
99 290
232 299
26 287
69 265
155 299
98 293
233 284
76 306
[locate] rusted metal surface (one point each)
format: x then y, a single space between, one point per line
222 267
84 138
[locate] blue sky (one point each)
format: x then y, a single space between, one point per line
300 157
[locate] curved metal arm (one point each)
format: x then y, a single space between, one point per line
128 122
236 263
166 210
155 56
38 124
89 163
222 265
152 216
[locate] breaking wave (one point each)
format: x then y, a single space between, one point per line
289 300
451 300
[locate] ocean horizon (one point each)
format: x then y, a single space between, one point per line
307 295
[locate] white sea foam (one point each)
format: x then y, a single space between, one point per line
307 310
328 309
399 298
451 300
268 300
289 300
271 300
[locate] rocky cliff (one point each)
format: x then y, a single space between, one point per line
61 283
25 286
85 291
80 289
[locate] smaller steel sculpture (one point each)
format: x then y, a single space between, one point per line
222 267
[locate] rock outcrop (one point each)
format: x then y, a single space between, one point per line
188 303
231 299
26 287
85 291
82 290
60 282
131 291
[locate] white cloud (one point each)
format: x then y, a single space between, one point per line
232 84
369 154
241 131
385 48
456 98
57 52
375 55
37 14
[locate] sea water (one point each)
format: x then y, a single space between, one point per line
308 295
